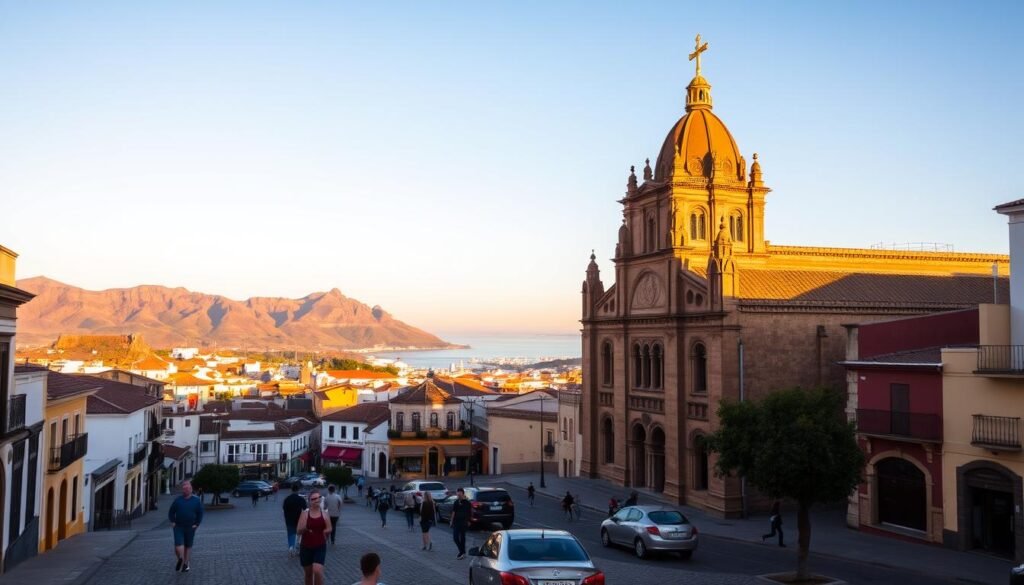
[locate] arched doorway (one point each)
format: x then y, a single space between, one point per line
902 494
701 465
49 519
658 459
432 463
382 465
62 515
639 455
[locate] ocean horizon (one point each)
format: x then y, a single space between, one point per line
532 347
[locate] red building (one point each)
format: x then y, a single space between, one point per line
894 378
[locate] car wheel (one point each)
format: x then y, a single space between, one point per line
640 548
236 493
606 538
685 554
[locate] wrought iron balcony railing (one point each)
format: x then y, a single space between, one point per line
911 425
999 433
15 413
138 456
1001 359
74 449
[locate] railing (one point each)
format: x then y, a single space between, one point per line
996 432
138 456
115 519
266 456
154 432
71 451
1001 359
914 425
15 413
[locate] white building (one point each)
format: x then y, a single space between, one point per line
184 353
358 437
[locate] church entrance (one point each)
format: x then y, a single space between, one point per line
658 460
639 436
902 494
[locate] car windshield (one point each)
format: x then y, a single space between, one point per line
495 496
667 517
546 549
432 487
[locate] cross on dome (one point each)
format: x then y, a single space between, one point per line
695 55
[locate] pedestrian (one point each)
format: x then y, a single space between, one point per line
631 500
613 506
567 502
370 495
409 507
359 485
333 502
776 524
531 493
314 526
293 507
460 522
428 515
383 504
185 514
255 498
369 565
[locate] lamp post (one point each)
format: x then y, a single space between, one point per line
542 484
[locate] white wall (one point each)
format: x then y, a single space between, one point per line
1016 278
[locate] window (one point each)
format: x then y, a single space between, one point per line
698 225
699 363
433 420
700 469
344 431
355 433
415 421
551 437
606 363
646 366
638 377
450 421
206 447
656 366
546 550
400 421
736 226
565 428
651 234
78 424
330 431
188 422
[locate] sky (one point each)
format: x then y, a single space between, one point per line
456 163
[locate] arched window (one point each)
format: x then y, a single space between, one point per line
702 227
606 363
638 375
400 422
415 421
699 364
657 368
450 421
608 431
701 471
647 366
693 226
565 428
651 233
736 226
433 419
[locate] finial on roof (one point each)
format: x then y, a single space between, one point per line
631 183
648 173
592 256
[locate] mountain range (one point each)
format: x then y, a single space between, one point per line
169 317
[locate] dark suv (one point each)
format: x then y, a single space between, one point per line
489 505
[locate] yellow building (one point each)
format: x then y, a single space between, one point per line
334 398
428 437
65 443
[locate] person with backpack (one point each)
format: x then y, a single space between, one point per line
383 504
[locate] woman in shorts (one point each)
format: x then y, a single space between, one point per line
314 526
428 513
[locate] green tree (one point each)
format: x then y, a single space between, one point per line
216 479
792 444
341 476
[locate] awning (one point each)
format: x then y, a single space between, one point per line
305 457
346 454
408 451
456 451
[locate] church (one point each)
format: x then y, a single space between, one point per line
704 308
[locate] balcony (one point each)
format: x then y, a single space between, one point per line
911 426
996 433
15 413
273 456
138 456
71 451
1000 360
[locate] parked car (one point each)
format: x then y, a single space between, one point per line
436 489
650 528
488 505
312 480
248 488
525 556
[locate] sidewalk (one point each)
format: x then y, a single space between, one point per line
76 559
829 533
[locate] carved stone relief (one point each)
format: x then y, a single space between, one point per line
649 292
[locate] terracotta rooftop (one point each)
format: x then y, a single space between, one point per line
425 393
463 387
360 375
150 363
931 356
63 386
281 429
175 452
187 379
371 413
117 397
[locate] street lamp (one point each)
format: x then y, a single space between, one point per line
542 484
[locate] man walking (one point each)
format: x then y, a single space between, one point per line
359 485
369 566
333 502
409 507
531 493
293 506
460 522
185 514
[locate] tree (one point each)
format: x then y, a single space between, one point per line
341 476
792 444
216 479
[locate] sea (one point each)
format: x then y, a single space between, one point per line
514 348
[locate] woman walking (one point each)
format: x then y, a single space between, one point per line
383 503
776 524
314 526
428 514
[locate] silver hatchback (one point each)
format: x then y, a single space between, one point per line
532 557
650 528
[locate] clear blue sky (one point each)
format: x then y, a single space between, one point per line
455 163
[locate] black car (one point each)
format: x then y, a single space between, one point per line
248 488
488 505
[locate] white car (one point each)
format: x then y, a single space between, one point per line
436 489
311 480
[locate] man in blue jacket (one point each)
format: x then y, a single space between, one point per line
186 514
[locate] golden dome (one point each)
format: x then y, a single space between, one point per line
699 145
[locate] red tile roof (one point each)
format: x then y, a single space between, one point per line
371 413
360 375
425 393
175 452
117 397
